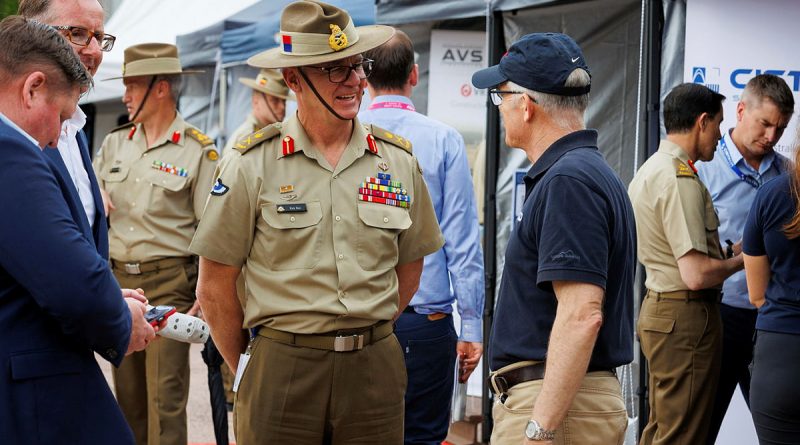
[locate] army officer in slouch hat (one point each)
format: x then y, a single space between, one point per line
331 220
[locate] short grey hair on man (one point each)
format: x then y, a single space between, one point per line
565 111
29 46
175 82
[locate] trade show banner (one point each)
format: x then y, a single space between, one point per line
730 41
452 99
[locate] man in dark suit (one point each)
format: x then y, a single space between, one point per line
59 301
81 23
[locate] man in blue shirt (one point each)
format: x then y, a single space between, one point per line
744 160
455 272
564 318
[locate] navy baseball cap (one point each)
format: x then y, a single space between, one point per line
540 62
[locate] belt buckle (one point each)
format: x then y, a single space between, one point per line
347 343
133 268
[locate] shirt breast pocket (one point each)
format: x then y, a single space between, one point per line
293 237
167 191
113 177
378 234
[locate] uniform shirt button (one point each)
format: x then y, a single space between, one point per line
386 219
292 218
137 179
145 155
131 229
341 257
112 354
133 204
338 218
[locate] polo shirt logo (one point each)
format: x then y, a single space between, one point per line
566 255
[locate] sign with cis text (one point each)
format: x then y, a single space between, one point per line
730 41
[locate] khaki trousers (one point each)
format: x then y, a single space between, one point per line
303 396
597 414
682 341
152 386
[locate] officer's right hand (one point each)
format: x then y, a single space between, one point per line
108 206
141 331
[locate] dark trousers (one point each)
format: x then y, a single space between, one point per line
429 348
775 388
738 329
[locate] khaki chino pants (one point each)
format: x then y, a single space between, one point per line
152 386
597 414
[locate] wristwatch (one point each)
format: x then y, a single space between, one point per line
534 431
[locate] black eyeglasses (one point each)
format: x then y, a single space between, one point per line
340 73
83 37
497 95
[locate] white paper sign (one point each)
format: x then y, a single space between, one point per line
730 41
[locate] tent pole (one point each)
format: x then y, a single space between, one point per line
496 48
654 32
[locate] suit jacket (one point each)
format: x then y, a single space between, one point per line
59 302
100 226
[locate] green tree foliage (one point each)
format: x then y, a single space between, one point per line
7 7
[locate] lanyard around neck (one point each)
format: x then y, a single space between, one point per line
393 104
749 179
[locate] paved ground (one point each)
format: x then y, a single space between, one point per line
201 430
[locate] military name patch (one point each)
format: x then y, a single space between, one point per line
219 188
299 207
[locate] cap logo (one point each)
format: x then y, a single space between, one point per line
575 59
338 39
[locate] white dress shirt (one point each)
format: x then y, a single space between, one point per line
71 154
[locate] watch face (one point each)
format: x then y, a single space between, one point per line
531 429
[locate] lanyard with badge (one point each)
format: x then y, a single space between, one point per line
749 179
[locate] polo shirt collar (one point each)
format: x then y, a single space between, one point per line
577 139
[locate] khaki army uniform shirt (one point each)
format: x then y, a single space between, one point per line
316 258
159 192
249 126
674 214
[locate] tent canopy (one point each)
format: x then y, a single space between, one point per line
396 12
138 21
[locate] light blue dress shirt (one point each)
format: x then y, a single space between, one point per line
732 198
455 272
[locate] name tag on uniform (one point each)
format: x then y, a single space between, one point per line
292 208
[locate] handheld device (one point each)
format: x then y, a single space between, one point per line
155 315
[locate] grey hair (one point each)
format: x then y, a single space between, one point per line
175 82
565 111
32 46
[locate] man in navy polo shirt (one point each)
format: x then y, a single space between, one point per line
566 294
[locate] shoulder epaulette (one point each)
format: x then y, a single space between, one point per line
683 170
199 136
251 140
387 136
122 127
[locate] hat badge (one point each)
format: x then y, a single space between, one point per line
338 39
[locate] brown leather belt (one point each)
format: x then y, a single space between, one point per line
134 268
509 379
337 341
703 294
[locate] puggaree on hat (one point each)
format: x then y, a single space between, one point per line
269 82
151 59
315 32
